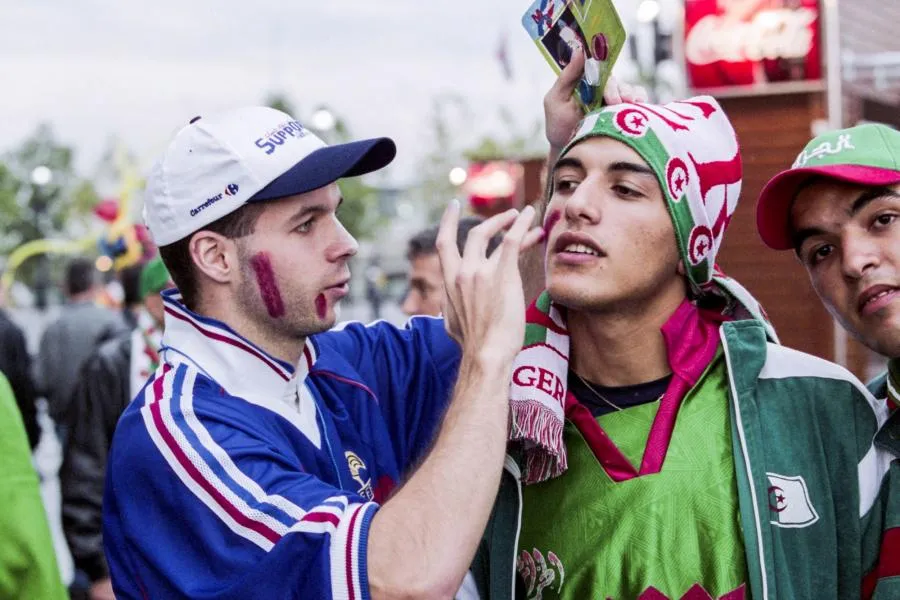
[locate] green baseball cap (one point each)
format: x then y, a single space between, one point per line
866 154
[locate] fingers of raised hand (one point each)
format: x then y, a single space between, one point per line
535 236
480 236
638 94
612 93
448 253
512 241
568 78
617 92
573 71
633 93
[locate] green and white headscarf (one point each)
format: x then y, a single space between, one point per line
693 150
691 147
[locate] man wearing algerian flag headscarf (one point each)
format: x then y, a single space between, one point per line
667 446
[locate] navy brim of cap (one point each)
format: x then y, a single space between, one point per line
327 165
774 205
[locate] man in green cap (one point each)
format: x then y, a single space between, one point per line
668 446
111 377
838 208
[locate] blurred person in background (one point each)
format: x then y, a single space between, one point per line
376 281
28 566
132 303
425 289
67 342
15 363
110 379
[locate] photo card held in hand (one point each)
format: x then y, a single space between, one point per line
559 26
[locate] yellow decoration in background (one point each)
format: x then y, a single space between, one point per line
120 231
122 227
35 247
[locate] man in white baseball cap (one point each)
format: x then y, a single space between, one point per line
264 458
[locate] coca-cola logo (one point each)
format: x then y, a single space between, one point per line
783 33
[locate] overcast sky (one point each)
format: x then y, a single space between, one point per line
139 70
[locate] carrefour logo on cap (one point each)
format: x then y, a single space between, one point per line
277 137
230 190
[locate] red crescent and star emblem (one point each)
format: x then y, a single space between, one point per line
700 244
777 501
632 122
677 178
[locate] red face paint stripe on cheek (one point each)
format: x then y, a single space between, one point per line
550 222
268 289
321 306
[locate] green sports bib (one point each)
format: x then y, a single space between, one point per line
673 534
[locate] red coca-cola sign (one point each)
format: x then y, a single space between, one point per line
751 42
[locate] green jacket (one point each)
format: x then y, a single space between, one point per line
887 573
27 559
794 417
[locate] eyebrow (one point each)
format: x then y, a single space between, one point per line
864 199
871 195
630 168
572 163
800 236
313 209
626 166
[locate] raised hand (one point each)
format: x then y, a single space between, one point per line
484 305
562 113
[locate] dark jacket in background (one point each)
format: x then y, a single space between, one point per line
15 363
100 397
66 346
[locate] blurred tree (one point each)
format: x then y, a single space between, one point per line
52 202
279 101
448 111
518 143
448 150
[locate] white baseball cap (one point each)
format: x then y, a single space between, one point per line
217 164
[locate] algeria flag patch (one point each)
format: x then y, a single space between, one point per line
789 503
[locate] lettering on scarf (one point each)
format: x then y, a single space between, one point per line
540 378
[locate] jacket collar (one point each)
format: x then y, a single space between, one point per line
238 365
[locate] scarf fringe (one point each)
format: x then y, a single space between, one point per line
540 433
